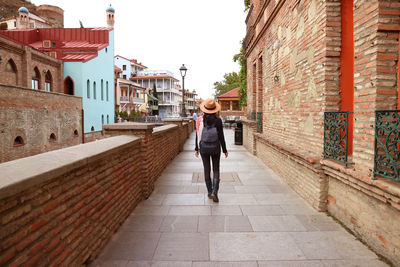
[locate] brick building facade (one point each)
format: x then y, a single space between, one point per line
20 64
35 114
306 58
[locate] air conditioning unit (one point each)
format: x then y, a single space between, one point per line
46 43
53 54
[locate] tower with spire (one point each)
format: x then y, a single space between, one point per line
23 18
110 16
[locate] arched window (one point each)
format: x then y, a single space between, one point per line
94 90
88 88
102 119
68 86
102 90
48 82
106 91
19 141
36 79
11 70
53 137
92 129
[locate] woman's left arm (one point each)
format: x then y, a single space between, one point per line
221 137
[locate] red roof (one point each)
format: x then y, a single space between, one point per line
234 93
70 44
117 69
132 60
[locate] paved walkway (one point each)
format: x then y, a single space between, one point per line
259 221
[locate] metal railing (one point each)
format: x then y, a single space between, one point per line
147 119
124 99
137 100
387 144
336 126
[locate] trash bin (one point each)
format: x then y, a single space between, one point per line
239 133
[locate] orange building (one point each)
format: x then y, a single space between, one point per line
230 104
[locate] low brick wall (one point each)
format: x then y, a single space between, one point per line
64 210
370 208
93 136
303 174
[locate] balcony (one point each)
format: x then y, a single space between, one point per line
387 145
336 126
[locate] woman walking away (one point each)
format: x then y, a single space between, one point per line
209 140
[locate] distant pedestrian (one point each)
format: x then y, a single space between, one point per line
209 141
195 116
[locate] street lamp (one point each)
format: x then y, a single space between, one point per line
183 70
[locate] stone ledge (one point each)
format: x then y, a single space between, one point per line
247 121
173 120
291 150
165 128
38 91
21 174
129 126
386 190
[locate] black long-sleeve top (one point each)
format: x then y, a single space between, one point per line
221 137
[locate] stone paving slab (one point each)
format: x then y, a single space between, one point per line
259 221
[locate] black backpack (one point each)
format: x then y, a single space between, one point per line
209 143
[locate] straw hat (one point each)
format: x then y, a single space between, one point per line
210 106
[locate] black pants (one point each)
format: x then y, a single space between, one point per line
207 168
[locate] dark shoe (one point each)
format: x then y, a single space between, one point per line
215 186
214 197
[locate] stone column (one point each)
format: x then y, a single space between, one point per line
144 131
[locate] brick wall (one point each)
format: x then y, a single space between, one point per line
26 59
67 208
293 51
370 208
34 116
93 136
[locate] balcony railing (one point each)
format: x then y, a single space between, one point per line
137 100
336 126
124 99
387 144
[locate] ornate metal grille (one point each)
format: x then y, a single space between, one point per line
253 116
387 144
259 122
336 135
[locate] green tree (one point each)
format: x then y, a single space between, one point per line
231 81
241 59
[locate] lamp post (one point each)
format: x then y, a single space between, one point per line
183 70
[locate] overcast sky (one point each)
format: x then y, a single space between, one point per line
164 34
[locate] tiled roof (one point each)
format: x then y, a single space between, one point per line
234 93
117 69
131 60
84 57
70 44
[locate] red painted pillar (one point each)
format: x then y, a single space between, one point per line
398 77
347 66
